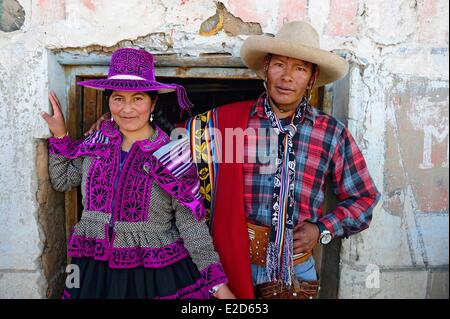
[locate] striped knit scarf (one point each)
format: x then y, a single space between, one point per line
280 249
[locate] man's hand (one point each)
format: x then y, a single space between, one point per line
96 125
306 236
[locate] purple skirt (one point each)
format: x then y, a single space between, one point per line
181 280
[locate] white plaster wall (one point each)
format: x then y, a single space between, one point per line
22 86
390 42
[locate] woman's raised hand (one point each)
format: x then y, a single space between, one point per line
55 123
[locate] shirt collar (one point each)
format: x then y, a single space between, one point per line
258 110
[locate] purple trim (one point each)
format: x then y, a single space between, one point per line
103 169
72 149
211 276
133 189
66 294
100 249
161 140
180 188
100 179
197 290
82 246
109 128
214 275
59 146
94 145
183 100
148 257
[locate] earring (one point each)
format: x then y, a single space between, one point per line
151 117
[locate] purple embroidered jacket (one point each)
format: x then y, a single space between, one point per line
156 207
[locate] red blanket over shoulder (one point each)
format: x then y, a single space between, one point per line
230 233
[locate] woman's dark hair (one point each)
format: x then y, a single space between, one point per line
160 117
152 94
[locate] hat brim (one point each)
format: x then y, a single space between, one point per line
255 49
128 85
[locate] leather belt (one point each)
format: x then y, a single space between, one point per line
259 240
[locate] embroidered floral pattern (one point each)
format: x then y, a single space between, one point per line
148 257
103 171
103 177
99 197
135 189
132 211
213 275
183 192
132 62
80 246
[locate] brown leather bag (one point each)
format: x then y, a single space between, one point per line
259 240
298 290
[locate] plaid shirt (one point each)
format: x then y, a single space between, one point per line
324 148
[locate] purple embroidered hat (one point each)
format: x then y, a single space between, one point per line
133 70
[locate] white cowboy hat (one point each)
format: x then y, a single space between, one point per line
297 40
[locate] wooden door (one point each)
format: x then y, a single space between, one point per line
85 107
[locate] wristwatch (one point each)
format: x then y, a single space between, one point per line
325 235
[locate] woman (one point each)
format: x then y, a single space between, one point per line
142 233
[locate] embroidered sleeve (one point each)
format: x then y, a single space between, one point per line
198 242
63 146
354 187
92 145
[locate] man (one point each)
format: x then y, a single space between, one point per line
247 203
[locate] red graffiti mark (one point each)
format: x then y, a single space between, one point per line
291 10
51 11
427 13
343 18
89 4
183 2
250 10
